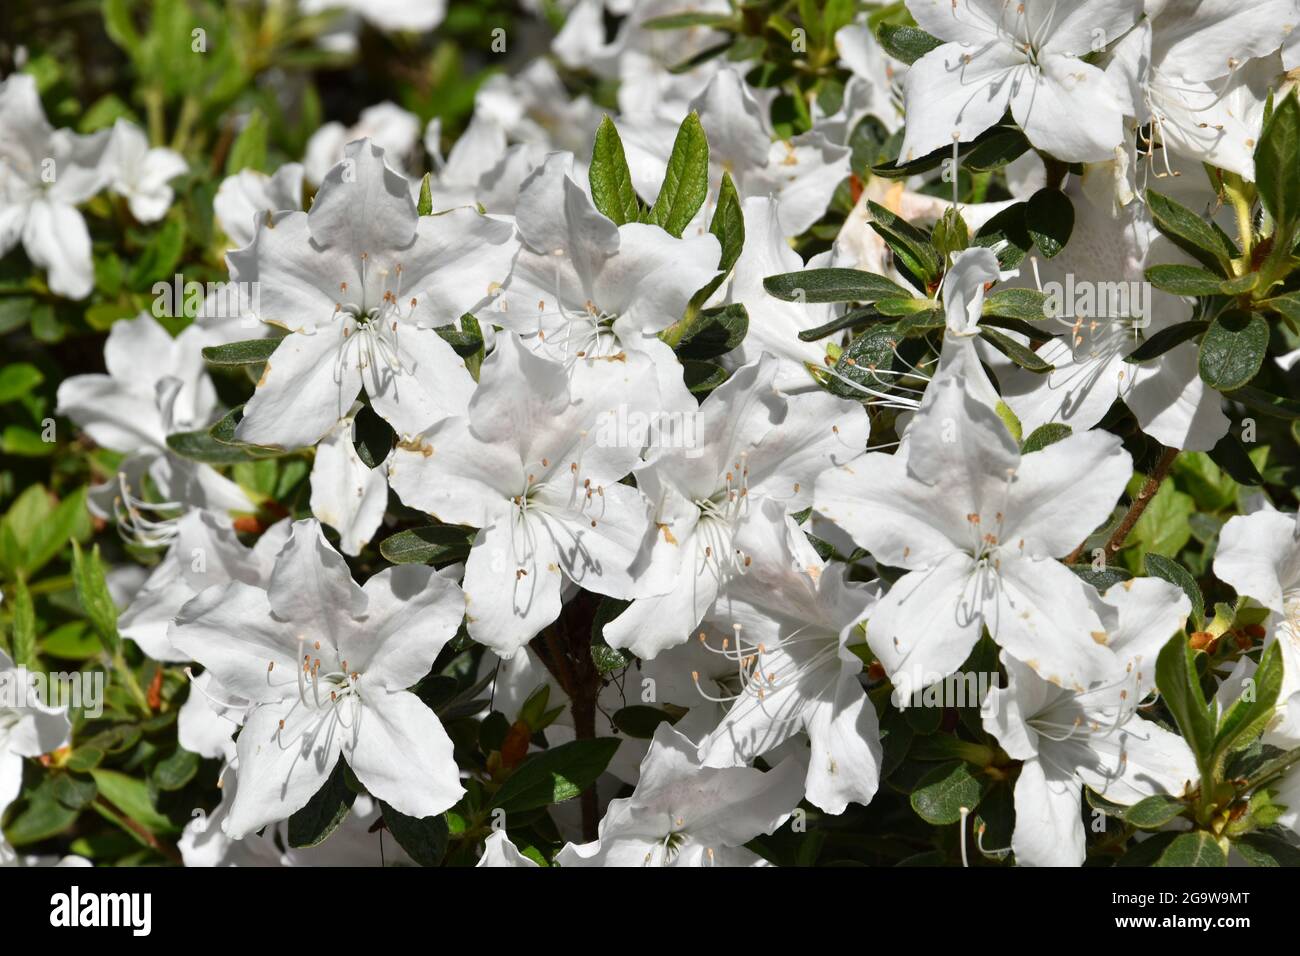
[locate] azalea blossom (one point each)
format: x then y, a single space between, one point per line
156 386
28 728
530 467
249 196
753 443
44 175
1071 739
204 551
140 174
1024 56
394 130
1106 257
346 493
499 851
979 527
790 617
583 288
326 664
1259 555
803 171
360 282
686 814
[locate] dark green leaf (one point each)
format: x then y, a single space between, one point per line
1049 217
906 43
1158 566
1044 435
323 812
424 840
556 775
251 352
833 285
1167 338
1233 349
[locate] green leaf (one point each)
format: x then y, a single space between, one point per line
17 380
1246 719
323 813
1028 305
251 352
131 796
424 840
429 545
715 332
23 643
1003 146
610 178
702 377
1233 349
176 770
942 793
1184 280
906 43
1167 338
833 285
425 206
1265 849
910 245
728 224
1181 691
556 775
1193 234
1277 172
1044 435
1193 849
686 181
43 817
92 594
1049 217
1153 812
201 446
249 148
1022 355
1159 566
640 720
1266 402
161 256
47 539
870 353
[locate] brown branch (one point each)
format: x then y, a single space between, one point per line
1136 508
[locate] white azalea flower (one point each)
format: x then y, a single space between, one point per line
156 386
535 470
44 175
204 551
361 281
803 172
346 493
140 174
248 197
685 814
752 443
774 324
418 16
1094 738
582 287
1259 555
1195 74
1022 55
327 663
28 728
979 528
499 851
533 107
1108 253
791 616
394 130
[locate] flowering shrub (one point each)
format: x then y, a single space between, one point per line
670 432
